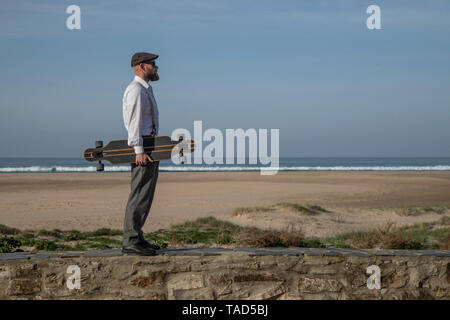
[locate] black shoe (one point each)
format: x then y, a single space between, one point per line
138 249
149 245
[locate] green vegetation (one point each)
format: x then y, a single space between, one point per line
211 232
43 244
293 207
316 208
55 233
74 235
244 210
416 210
430 235
26 239
8 244
51 240
306 209
103 243
103 232
203 230
7 230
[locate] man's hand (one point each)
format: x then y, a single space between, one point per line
141 159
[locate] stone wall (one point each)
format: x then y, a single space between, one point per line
227 274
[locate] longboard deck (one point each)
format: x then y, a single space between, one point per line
118 151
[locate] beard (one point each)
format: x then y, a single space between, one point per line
154 77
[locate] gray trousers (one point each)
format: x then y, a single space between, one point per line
143 184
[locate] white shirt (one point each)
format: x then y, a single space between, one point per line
137 114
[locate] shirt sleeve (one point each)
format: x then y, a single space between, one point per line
133 118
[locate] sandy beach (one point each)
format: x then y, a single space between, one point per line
355 200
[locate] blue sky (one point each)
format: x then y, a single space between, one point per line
310 68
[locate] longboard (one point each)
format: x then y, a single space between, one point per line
118 151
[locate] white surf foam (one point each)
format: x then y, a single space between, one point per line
185 168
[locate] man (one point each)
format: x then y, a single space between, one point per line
140 115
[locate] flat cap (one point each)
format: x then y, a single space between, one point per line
140 57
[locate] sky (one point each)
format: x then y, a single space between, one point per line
311 69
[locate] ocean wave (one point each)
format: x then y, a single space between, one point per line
313 168
43 169
38 169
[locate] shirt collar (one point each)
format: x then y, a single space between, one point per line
141 81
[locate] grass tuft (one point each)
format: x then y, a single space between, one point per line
47 245
254 237
211 231
8 230
445 221
104 232
55 233
245 210
26 239
416 210
445 245
294 207
74 235
8 244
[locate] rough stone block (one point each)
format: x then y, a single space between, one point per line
26 271
316 260
252 277
362 294
5 274
149 279
288 263
355 276
416 294
184 282
23 287
393 280
315 285
155 296
270 293
220 278
235 275
324 270
447 273
419 274
442 292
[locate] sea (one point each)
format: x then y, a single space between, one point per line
64 165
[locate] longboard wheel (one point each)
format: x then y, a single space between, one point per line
99 144
100 167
